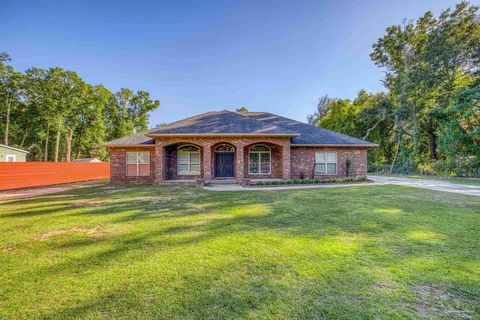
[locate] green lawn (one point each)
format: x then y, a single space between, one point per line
455 180
170 252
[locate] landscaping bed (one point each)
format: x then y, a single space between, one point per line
297 182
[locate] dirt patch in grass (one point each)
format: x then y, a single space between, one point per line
383 286
438 302
95 232
6 250
109 201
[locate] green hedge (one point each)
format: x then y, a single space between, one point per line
308 181
458 167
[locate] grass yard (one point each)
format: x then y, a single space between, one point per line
168 252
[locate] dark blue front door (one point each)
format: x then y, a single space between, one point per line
224 165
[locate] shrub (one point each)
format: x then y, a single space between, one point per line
348 164
461 167
310 181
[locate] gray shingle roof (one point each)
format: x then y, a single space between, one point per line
308 133
135 139
221 122
226 122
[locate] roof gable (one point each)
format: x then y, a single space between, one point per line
12 148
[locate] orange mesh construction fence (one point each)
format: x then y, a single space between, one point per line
16 175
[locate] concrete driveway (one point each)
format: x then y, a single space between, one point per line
429 184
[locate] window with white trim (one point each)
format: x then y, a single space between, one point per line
325 162
138 164
188 160
11 158
259 160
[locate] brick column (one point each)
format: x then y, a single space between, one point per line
239 156
286 161
159 162
207 162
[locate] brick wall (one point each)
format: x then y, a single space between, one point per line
303 161
276 170
171 168
118 166
207 145
287 162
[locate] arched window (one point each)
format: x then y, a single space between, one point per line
259 157
224 148
188 160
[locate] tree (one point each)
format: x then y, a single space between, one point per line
322 110
40 99
4 57
128 112
430 111
80 116
427 62
10 90
367 116
241 109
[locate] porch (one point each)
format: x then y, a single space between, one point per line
227 161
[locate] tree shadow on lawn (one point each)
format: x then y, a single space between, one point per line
215 215
370 233
243 287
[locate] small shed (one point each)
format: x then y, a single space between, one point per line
87 160
10 154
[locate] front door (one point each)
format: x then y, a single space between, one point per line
224 165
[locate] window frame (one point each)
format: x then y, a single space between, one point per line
137 164
325 163
12 156
269 152
189 161
224 151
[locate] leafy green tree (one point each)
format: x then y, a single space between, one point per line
322 110
58 104
241 109
128 112
427 63
10 91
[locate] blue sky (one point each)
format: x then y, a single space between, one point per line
198 56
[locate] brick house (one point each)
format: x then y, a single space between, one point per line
235 147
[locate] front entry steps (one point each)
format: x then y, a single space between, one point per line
216 182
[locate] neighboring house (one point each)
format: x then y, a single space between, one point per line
235 146
10 154
87 160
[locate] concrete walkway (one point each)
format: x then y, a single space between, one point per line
428 184
377 180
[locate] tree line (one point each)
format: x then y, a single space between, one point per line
57 116
429 117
